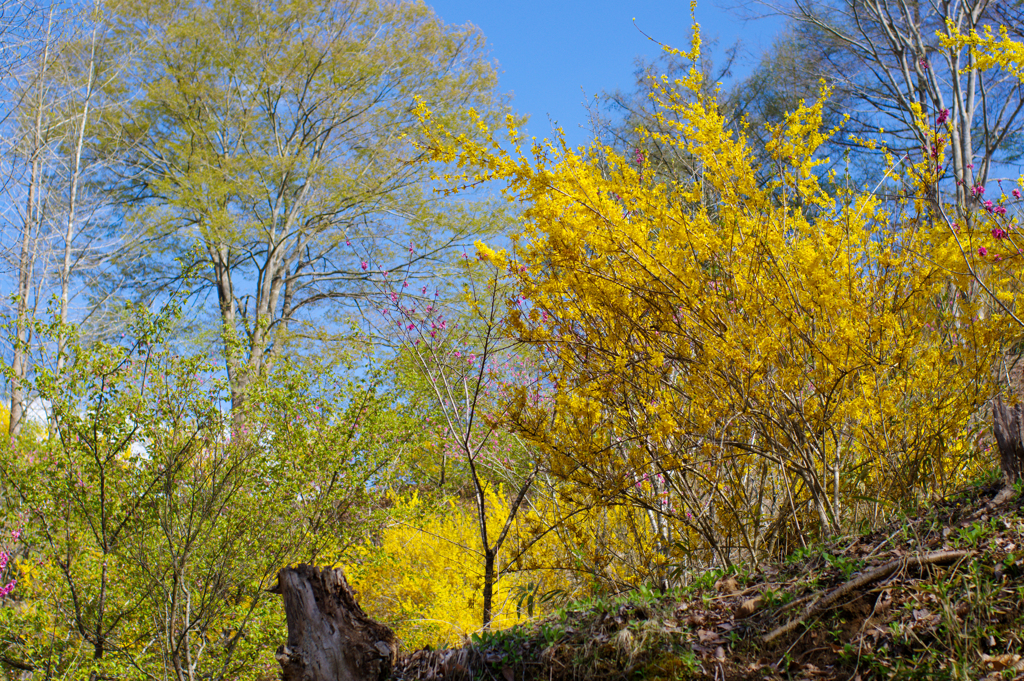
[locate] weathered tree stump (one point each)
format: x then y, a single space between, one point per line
1008 426
330 638
1008 417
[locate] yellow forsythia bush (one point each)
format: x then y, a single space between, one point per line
423 576
745 361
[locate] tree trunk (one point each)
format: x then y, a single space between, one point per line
69 228
1008 424
489 556
330 638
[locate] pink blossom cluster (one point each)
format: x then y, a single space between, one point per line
994 208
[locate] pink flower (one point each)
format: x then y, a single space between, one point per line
977 190
923 63
1016 193
364 264
998 233
943 116
982 251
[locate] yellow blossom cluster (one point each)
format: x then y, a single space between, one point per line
423 573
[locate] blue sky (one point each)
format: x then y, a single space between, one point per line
553 54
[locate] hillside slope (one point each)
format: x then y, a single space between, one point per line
936 596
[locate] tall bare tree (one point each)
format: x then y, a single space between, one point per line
29 146
52 169
886 61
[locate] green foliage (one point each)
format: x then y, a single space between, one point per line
973 534
279 140
529 598
158 520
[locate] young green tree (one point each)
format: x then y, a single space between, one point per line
155 528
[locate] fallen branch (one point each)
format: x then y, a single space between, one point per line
793 604
937 558
1005 494
17 664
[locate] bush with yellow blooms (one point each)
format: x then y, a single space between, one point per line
751 365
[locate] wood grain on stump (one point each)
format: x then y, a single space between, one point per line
330 638
1009 431
1008 417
